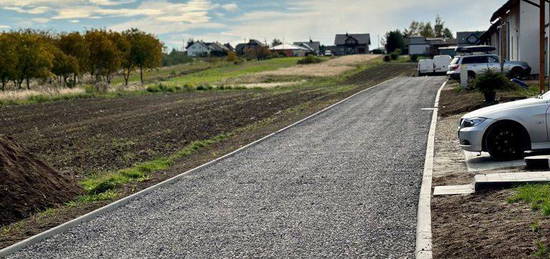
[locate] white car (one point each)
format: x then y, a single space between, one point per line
477 64
425 66
507 130
441 63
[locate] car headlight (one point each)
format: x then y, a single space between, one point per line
467 123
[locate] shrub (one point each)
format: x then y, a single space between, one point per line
387 58
489 82
309 60
232 56
414 58
204 87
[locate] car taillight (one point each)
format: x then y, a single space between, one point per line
453 67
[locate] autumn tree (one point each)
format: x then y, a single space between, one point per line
63 65
105 57
146 50
35 59
75 46
8 58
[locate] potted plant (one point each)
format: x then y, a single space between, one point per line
489 82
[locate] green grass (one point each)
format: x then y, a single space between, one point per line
536 195
542 250
103 183
214 75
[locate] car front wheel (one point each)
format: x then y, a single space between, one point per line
505 143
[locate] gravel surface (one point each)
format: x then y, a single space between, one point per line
344 183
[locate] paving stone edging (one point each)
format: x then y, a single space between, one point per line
424 216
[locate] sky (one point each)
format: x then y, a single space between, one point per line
234 21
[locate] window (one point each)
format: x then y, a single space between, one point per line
474 60
493 60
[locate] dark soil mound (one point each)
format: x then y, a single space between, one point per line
28 184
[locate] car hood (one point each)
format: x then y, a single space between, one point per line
492 111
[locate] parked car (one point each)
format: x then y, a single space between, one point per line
441 63
507 130
476 64
425 66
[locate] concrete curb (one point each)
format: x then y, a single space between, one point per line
91 215
424 216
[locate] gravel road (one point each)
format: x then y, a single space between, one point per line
344 183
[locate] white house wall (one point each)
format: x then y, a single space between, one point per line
419 49
197 50
529 35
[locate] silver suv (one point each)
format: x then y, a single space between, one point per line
477 64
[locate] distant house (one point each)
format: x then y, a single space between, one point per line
229 47
423 46
290 50
217 49
515 32
313 46
251 44
205 49
349 44
469 38
198 49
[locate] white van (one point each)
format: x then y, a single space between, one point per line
425 66
441 63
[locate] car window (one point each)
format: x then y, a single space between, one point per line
493 60
474 60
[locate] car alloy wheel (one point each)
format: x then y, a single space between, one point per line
504 143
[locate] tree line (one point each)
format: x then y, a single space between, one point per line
395 40
67 57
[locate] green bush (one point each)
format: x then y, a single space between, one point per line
387 58
414 58
309 60
489 82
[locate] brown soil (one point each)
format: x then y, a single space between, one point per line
98 135
454 101
485 225
28 185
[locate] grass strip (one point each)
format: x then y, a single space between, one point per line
97 187
536 195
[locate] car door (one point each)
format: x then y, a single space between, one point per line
477 64
494 63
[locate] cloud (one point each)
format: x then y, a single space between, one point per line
232 7
110 2
173 17
40 20
3 27
35 10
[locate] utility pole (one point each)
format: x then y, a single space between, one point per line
542 24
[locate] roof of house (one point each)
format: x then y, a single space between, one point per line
363 38
286 46
504 9
313 45
494 27
216 46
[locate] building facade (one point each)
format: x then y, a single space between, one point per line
350 44
515 33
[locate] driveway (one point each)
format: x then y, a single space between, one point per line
345 183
